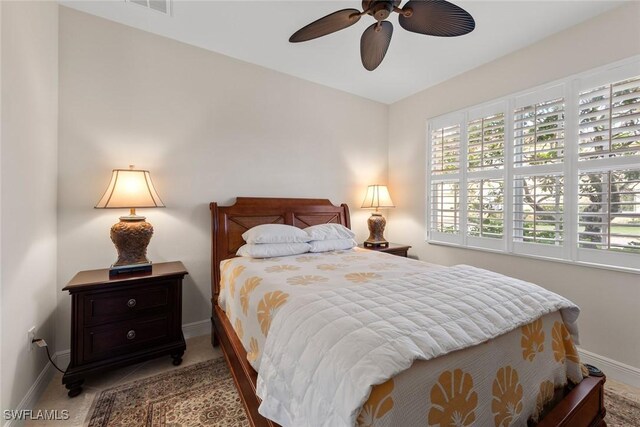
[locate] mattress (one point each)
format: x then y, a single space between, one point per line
504 381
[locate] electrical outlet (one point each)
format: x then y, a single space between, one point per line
31 335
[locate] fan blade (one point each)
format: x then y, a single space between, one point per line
436 18
374 44
326 25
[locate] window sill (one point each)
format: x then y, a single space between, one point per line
538 257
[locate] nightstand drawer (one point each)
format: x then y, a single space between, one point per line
102 307
123 337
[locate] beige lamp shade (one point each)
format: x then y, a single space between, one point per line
130 188
377 197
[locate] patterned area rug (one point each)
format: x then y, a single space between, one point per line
205 395
623 409
199 395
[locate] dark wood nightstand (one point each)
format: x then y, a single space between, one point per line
123 320
393 248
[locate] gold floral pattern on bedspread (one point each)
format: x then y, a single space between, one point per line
545 395
234 276
238 328
362 277
281 268
254 350
331 267
562 344
532 340
267 308
306 280
245 292
453 400
378 405
507 396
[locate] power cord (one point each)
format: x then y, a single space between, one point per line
42 343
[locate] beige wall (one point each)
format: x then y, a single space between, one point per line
209 128
28 169
608 299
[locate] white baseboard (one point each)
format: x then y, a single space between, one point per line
613 369
196 329
35 391
62 359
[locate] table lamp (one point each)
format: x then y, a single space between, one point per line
377 198
130 189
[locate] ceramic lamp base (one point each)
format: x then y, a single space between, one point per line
376 223
131 236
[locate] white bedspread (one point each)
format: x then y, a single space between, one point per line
325 350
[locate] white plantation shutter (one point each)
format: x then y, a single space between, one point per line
485 208
446 138
485 146
484 177
550 172
445 150
538 184
539 133
538 209
445 207
609 120
609 210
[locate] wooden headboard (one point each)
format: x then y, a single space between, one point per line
229 222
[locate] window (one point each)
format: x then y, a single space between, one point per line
609 120
538 209
485 149
445 197
446 150
609 210
485 216
552 172
539 133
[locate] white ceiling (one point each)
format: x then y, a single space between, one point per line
258 32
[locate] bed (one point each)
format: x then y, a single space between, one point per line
578 405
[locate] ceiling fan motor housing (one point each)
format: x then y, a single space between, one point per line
380 9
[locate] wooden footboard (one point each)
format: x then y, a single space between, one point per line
582 406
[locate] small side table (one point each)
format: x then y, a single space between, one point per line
122 320
393 248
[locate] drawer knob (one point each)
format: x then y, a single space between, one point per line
131 334
131 303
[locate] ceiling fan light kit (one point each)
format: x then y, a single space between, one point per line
429 17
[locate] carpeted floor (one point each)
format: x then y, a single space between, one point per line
204 395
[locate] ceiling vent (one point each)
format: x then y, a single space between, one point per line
162 6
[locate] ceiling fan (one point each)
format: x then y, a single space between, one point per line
430 17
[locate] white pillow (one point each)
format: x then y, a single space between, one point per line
270 250
332 245
329 232
275 233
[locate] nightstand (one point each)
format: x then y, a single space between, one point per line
393 248
124 319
